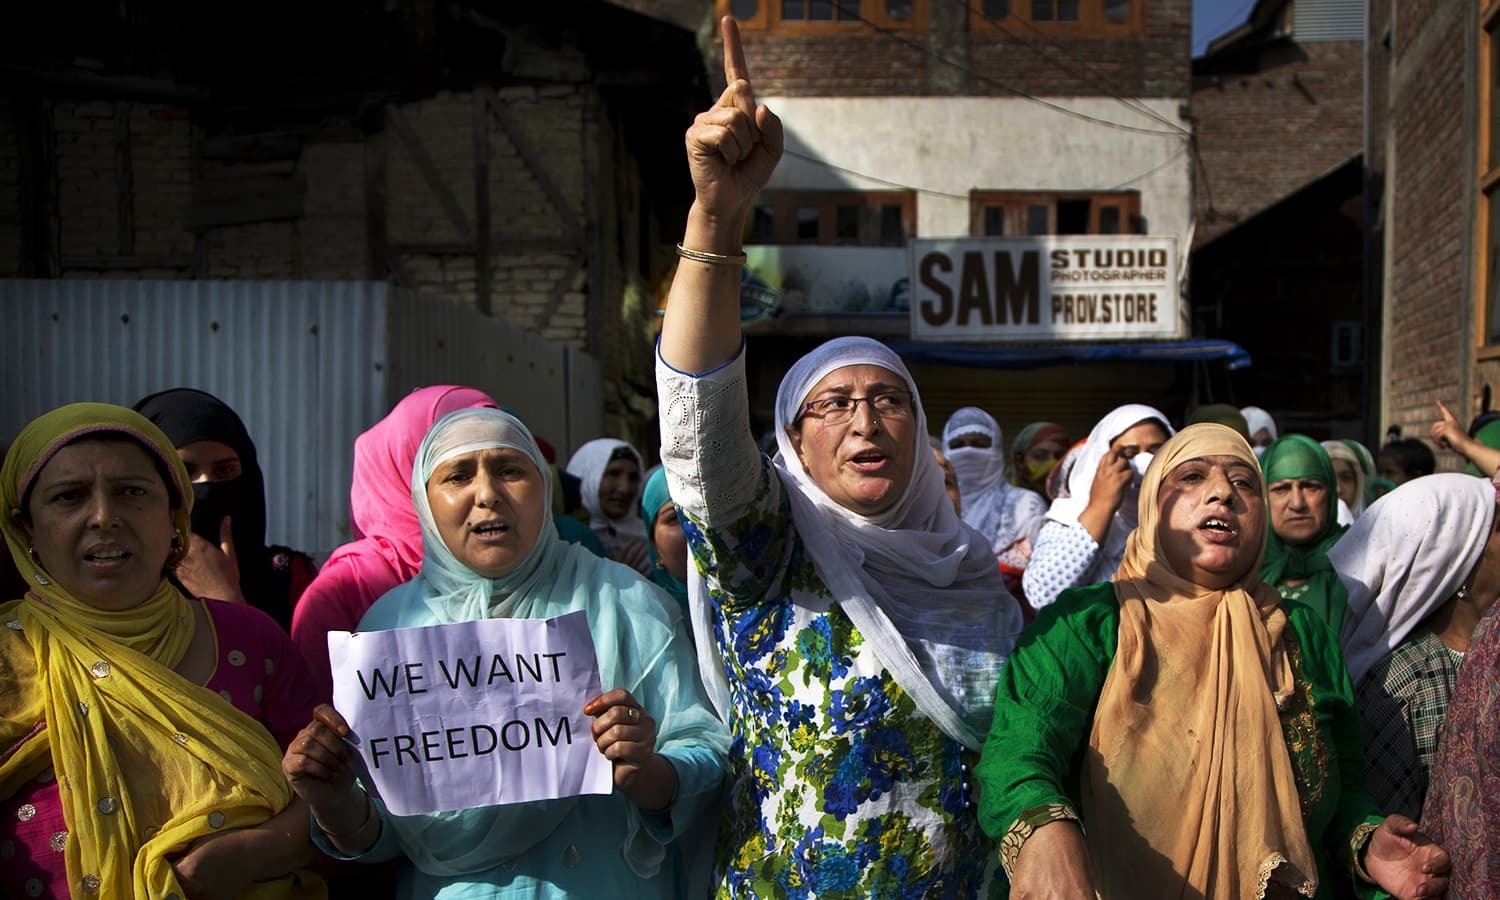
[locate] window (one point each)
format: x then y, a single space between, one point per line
825 16
850 218
1348 351
1025 214
1082 18
1487 244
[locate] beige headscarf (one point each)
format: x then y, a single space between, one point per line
1188 789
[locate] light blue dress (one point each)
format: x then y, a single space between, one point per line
591 846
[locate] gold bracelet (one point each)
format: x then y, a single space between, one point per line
344 836
712 259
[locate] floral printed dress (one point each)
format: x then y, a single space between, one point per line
839 786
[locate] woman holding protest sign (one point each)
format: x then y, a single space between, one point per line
849 624
139 727
490 550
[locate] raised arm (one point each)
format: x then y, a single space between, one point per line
732 149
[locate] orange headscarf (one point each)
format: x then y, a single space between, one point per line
1188 788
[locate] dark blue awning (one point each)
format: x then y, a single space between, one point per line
1012 356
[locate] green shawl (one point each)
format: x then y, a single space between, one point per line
1298 456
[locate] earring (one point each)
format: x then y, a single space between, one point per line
1462 594
178 552
31 552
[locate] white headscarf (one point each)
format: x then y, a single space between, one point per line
1257 418
588 465
982 486
1406 556
1338 450
920 585
1081 480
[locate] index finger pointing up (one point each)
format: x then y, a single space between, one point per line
734 54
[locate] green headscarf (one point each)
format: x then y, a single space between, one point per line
1488 435
1299 456
653 497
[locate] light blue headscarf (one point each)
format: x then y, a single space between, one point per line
638 638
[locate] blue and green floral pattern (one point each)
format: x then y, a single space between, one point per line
840 788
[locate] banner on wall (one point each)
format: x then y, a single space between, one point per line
1048 288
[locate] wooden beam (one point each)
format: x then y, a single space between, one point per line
481 125
428 169
38 187
124 182
115 263
500 247
534 164
376 153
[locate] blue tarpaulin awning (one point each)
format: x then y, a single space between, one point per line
1022 356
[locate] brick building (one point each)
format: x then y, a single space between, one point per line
934 119
1435 173
523 159
1279 251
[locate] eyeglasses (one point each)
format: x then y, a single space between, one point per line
838 410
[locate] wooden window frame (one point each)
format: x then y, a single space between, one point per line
1017 203
784 205
1091 21
767 18
1488 182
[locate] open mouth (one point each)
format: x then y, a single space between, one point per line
868 460
105 556
1218 526
490 529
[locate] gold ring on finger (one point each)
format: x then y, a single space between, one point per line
635 714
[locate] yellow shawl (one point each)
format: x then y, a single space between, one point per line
1188 788
146 761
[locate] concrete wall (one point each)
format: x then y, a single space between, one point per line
948 146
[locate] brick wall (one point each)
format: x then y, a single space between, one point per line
1428 311
949 58
1265 133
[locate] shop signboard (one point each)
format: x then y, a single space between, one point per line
1047 288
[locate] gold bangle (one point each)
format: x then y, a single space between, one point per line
712 259
344 836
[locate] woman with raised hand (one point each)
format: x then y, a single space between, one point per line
482 492
140 729
849 625
1184 732
1083 539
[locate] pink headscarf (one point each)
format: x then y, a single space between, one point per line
387 550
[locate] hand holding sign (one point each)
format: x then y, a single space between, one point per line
733 147
626 735
317 765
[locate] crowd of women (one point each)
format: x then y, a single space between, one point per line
1214 662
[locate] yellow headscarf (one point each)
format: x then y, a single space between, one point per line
146 761
1188 784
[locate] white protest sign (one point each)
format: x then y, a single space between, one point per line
473 714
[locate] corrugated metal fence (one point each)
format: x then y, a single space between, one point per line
307 365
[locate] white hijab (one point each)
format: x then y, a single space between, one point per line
981 476
1406 556
588 465
1081 480
1338 450
1257 418
922 587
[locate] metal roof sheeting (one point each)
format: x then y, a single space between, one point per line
1328 20
307 365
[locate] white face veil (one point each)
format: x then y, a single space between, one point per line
1081 480
920 585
